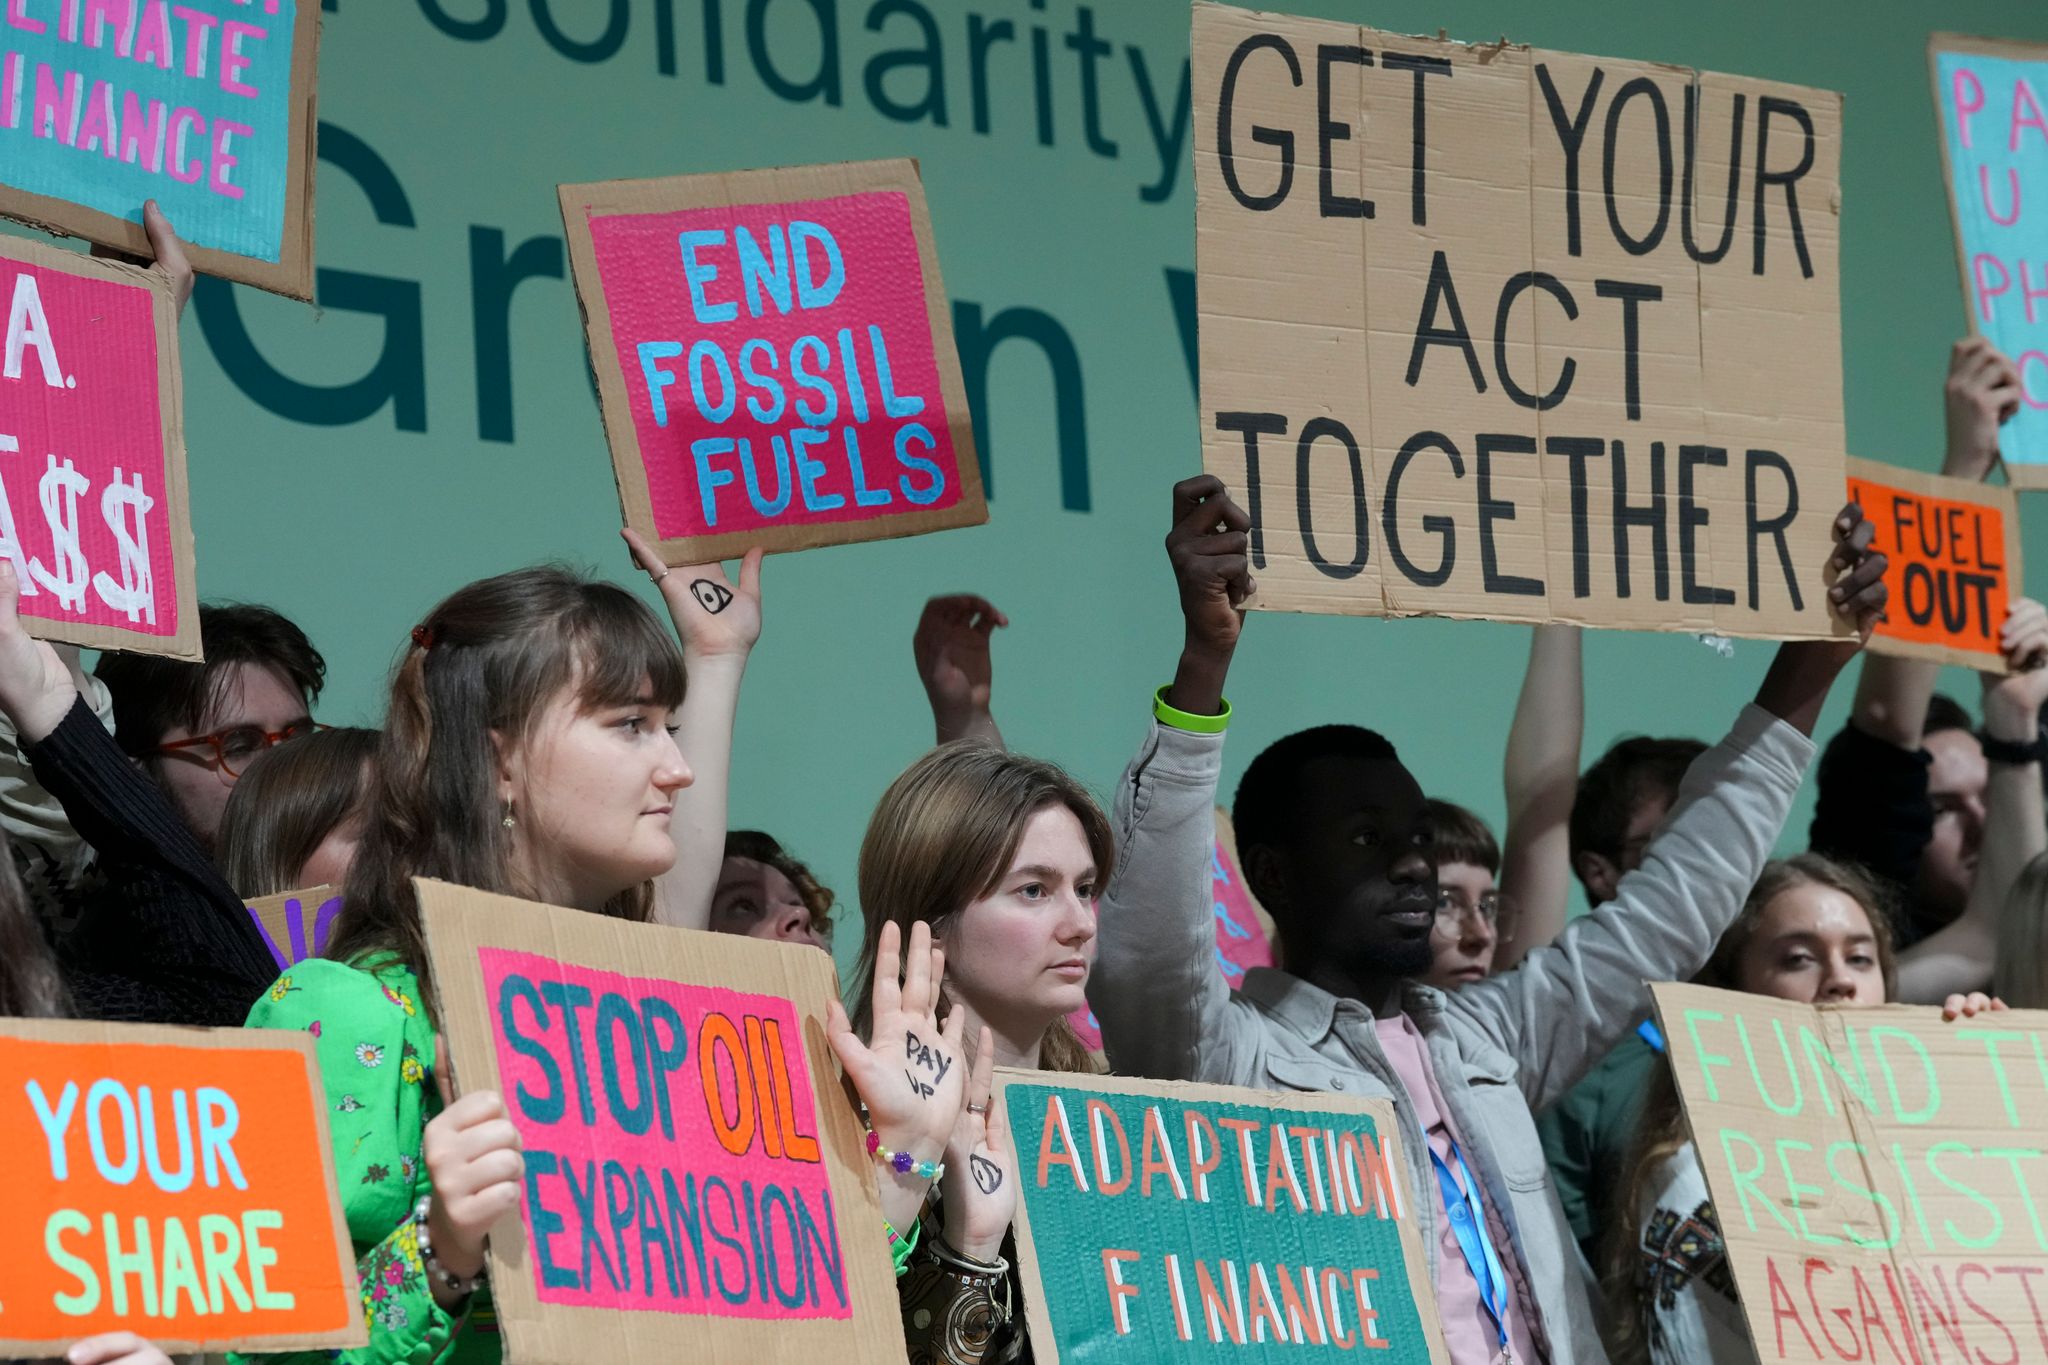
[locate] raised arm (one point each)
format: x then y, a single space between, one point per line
718 624
952 650
1959 956
1163 1007
1541 778
1570 1003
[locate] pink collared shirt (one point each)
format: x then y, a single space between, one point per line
1468 1329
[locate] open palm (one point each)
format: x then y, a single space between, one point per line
909 1072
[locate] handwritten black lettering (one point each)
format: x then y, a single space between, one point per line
987 1174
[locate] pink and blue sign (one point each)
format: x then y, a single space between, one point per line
106 103
779 363
91 473
1994 120
672 1144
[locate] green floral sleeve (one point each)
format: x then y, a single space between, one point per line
375 1046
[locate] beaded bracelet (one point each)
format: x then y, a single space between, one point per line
458 1285
903 1163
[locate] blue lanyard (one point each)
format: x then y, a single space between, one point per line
1468 1225
1649 1033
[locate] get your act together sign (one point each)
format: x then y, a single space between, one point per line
1524 335
774 358
691 1164
205 106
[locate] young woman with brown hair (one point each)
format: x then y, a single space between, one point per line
1813 931
296 817
998 858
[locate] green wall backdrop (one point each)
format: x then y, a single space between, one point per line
455 434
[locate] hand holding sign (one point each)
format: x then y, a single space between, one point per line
1209 547
2012 701
166 252
908 1074
35 686
981 1170
1983 393
712 617
116 1348
473 1155
1858 594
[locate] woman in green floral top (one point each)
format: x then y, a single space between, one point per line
527 750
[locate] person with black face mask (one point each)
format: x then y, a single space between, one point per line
1333 833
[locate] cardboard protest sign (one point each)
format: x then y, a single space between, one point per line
1989 96
1244 931
692 1163
1168 1221
1953 548
1876 1173
297 924
1523 335
774 357
172 1182
205 106
93 505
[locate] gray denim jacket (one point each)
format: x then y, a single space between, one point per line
1502 1049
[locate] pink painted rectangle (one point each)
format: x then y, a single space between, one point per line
671 1143
778 363
85 510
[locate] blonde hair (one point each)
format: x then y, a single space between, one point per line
2019 975
942 837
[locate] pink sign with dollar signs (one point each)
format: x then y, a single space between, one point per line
1241 941
92 482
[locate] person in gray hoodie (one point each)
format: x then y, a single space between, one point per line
1333 836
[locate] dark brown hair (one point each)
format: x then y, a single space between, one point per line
1459 836
154 695
1661 1130
495 655
769 852
291 798
943 836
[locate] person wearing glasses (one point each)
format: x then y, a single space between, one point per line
160 936
196 728
1468 900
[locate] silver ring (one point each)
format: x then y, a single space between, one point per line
974 1108
657 577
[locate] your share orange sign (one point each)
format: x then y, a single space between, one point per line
176 1183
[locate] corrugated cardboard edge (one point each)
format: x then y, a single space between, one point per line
780 185
184 644
1955 490
356 1333
292 273
458 921
1044 1348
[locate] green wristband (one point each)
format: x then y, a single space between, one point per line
1184 720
